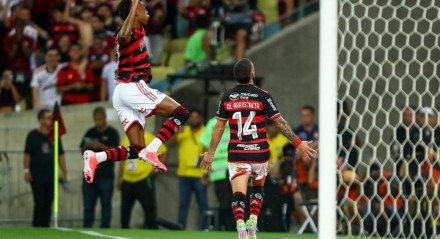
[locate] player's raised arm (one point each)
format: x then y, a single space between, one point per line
217 133
287 131
127 26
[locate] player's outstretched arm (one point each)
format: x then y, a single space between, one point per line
217 133
127 25
303 146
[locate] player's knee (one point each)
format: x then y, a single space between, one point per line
181 114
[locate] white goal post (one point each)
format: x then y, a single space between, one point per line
327 118
380 61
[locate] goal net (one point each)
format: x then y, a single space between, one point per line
388 131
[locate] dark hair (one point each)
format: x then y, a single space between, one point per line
309 107
75 44
59 7
99 111
196 111
124 9
242 70
53 49
41 113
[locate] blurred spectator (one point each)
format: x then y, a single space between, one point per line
64 24
191 177
276 143
136 182
9 95
42 13
76 81
181 23
308 130
63 46
289 183
219 175
108 77
237 17
19 48
196 9
60 26
44 81
38 168
99 53
156 24
378 198
86 14
98 138
197 50
111 23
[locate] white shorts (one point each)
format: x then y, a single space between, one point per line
257 171
134 102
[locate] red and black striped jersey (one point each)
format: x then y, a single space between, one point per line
133 58
246 107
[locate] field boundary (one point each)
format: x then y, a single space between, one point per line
90 233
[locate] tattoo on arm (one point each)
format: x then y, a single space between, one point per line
284 128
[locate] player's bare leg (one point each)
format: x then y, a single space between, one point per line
256 200
177 114
239 190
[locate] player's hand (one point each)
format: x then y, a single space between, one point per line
207 161
306 150
28 177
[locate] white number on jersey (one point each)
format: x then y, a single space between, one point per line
247 128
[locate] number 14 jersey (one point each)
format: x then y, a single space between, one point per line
246 107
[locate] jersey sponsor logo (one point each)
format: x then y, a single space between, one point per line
177 122
243 105
272 104
247 95
234 96
249 147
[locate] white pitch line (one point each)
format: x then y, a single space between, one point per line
90 233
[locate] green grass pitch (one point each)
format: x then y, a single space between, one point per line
37 233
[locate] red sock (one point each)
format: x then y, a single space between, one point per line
122 153
171 125
238 205
256 200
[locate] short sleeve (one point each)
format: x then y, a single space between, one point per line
221 112
270 108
